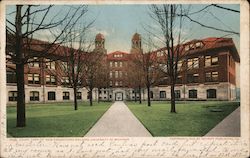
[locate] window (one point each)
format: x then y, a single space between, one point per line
120 73
159 54
115 64
116 74
79 95
179 80
214 61
65 80
111 64
179 65
120 64
65 95
50 64
110 74
11 77
118 55
212 76
120 83
116 83
162 94
12 95
34 96
215 76
104 92
192 78
192 93
34 62
192 46
187 48
193 63
198 44
65 66
110 83
211 93
33 78
51 96
177 94
50 79
209 61
151 94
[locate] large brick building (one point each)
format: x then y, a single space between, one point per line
209 66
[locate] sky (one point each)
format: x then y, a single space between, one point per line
118 23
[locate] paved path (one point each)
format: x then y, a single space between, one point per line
229 127
118 121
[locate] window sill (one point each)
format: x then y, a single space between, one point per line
50 85
35 85
191 84
11 84
211 66
207 83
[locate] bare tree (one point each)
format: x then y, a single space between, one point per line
102 76
23 24
166 16
134 77
91 78
146 63
205 9
74 58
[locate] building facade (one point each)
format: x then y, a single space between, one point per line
208 74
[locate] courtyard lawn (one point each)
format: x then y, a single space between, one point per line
56 119
191 119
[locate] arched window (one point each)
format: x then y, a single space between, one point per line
34 96
192 93
211 93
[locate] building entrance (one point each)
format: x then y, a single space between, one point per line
118 96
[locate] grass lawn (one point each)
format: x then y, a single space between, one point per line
191 119
56 119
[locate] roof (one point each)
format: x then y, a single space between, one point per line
99 36
136 37
207 44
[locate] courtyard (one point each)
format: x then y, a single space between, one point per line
59 120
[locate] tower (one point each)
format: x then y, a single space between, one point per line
100 43
136 43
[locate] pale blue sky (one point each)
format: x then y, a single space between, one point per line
119 22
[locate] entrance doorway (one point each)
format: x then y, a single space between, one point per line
118 96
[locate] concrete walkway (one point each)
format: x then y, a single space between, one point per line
118 121
229 127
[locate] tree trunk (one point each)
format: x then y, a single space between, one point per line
21 119
172 99
149 102
140 94
90 97
75 98
98 95
135 95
